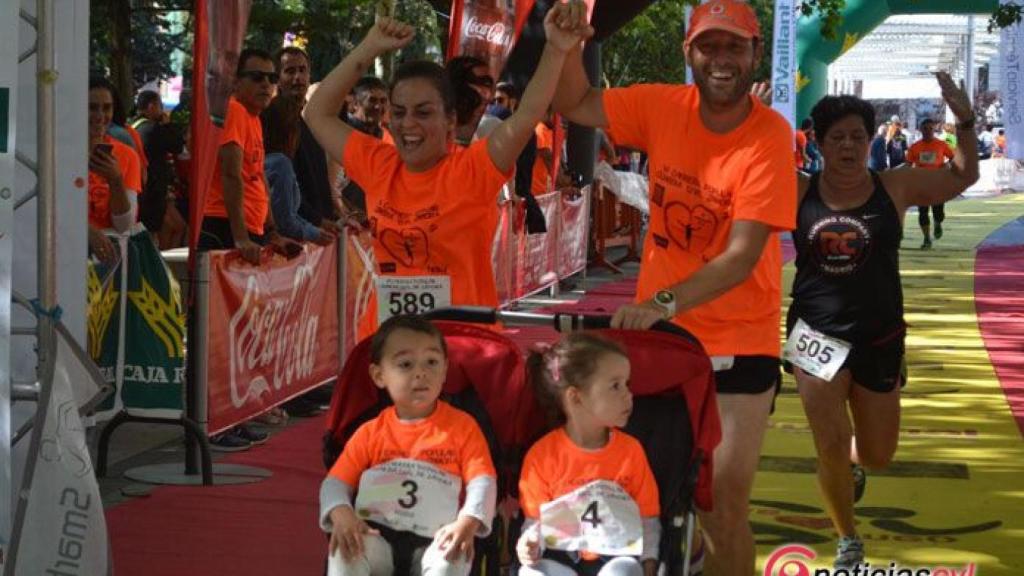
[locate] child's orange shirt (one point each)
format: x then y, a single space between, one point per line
556 466
448 439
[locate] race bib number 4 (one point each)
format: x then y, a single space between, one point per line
411 295
814 352
600 517
409 495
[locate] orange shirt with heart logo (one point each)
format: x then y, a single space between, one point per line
700 183
435 223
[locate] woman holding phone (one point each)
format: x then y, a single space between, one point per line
115 175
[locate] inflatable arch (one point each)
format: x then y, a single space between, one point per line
860 17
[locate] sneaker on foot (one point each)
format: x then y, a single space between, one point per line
229 442
849 553
927 244
251 434
938 230
860 481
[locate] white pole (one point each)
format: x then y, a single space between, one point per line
969 74
46 78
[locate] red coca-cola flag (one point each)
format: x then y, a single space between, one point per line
220 30
487 29
273 331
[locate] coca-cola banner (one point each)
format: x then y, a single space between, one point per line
358 285
273 331
573 233
537 266
486 29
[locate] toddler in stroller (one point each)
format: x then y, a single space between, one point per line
674 417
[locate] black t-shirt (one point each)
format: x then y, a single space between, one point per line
847 281
161 142
311 172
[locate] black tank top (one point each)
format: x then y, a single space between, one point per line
847 281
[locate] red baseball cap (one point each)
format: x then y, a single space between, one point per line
734 16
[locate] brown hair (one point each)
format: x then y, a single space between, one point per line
569 363
411 322
281 126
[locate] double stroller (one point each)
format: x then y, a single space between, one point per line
675 415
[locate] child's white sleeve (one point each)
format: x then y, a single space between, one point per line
652 537
481 498
333 493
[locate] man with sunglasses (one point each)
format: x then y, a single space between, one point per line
237 213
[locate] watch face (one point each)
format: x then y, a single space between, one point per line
664 297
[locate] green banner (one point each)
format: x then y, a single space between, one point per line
153 372
5 117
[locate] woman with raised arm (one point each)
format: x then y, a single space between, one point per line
432 206
845 325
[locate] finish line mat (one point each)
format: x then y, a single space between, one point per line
954 494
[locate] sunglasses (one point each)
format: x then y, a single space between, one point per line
257 76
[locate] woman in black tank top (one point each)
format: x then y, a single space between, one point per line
847 297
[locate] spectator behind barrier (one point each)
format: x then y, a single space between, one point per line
281 132
309 161
161 143
115 175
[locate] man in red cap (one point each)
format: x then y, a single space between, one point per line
722 186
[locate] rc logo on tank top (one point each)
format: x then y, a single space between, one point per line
839 244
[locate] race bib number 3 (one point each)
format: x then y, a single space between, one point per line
409 495
814 352
599 517
411 295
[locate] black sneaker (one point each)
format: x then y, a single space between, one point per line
251 434
229 442
938 230
927 244
860 482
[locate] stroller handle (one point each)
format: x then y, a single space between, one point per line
559 321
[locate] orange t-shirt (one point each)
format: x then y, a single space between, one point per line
930 155
435 223
99 191
556 466
700 183
243 129
540 184
449 439
801 147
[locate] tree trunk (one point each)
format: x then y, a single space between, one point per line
121 50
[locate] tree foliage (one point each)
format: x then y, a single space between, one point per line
143 51
650 47
134 41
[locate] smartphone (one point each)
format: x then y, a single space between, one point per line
106 148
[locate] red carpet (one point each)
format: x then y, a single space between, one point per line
264 529
999 301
